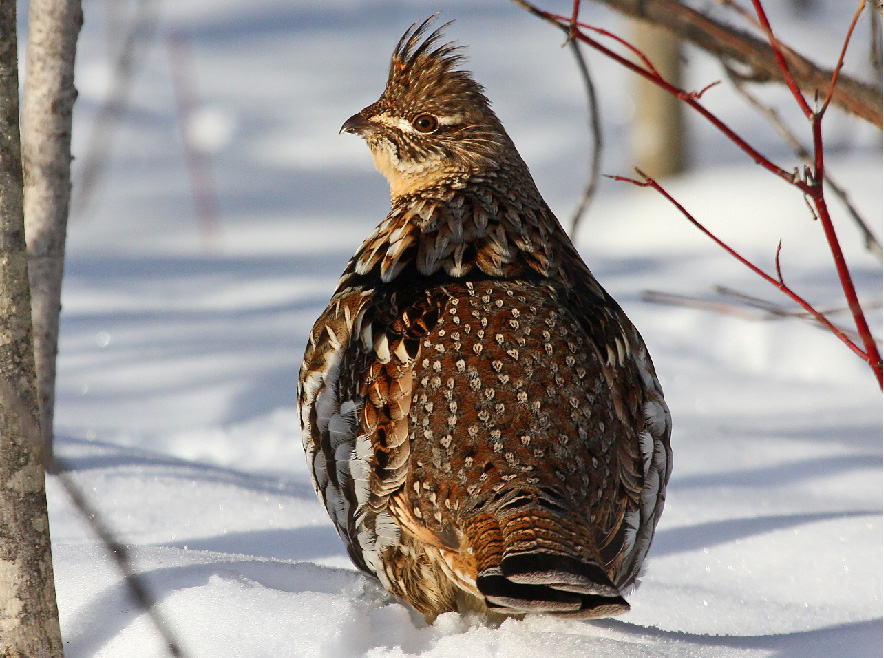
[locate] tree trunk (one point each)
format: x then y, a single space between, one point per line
658 132
28 613
46 155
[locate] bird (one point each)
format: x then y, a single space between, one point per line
481 420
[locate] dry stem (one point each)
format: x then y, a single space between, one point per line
870 241
776 282
595 127
811 185
732 45
817 191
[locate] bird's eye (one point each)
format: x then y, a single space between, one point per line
425 123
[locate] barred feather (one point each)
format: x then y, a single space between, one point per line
482 421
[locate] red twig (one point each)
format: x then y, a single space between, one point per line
699 94
650 73
623 42
575 13
872 356
816 191
822 319
778 54
811 185
777 260
859 10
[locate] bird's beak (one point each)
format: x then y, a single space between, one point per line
357 124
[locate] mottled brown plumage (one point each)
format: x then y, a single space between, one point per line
482 421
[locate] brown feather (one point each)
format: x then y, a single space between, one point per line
482 420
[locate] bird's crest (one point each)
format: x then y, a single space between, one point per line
412 51
463 427
424 66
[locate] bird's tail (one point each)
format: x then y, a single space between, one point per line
528 563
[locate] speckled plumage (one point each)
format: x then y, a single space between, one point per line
482 421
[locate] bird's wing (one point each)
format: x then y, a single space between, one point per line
644 459
355 395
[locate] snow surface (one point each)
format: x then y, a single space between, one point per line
179 352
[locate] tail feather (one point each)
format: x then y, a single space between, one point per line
549 583
561 572
527 564
501 592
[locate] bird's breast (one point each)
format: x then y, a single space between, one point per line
508 395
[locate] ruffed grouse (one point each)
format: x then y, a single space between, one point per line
482 421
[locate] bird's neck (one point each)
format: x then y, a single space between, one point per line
478 227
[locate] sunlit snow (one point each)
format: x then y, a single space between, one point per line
179 354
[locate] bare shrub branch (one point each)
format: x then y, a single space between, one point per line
595 127
810 184
746 307
774 281
871 242
754 54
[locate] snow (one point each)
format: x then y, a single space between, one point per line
179 353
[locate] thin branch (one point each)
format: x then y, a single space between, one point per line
781 60
777 262
840 64
650 182
749 300
734 45
199 169
702 304
754 21
681 93
699 94
871 242
745 307
742 12
872 356
875 43
817 193
595 128
647 63
575 14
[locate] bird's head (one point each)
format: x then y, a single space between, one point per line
433 123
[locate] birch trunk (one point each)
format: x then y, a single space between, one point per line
46 154
28 613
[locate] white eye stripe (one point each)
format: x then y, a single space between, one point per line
450 120
405 125
393 122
